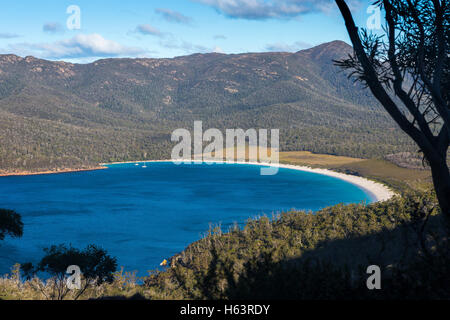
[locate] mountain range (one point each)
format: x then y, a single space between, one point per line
55 114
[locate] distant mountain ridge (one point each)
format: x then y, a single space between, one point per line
59 114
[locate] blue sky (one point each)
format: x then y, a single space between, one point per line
157 28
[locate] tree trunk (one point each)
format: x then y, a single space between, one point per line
441 181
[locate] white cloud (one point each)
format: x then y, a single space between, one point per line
80 46
220 37
271 9
52 27
147 29
284 47
7 35
218 50
173 16
185 47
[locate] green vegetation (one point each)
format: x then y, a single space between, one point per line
273 259
56 115
98 268
298 255
10 224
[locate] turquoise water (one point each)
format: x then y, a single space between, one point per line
144 215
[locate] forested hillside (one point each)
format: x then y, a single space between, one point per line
63 115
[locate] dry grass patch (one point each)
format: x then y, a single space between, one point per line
306 158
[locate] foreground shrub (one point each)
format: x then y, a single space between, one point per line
96 265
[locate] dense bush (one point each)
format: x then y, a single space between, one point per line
319 256
96 266
10 224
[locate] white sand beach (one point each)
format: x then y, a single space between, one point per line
379 191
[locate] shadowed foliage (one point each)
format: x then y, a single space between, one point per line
96 266
321 256
10 224
411 61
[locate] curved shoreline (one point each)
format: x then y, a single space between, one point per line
375 189
379 191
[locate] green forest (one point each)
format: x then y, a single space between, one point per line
57 115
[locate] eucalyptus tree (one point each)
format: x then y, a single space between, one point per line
406 67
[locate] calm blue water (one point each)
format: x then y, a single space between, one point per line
144 215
